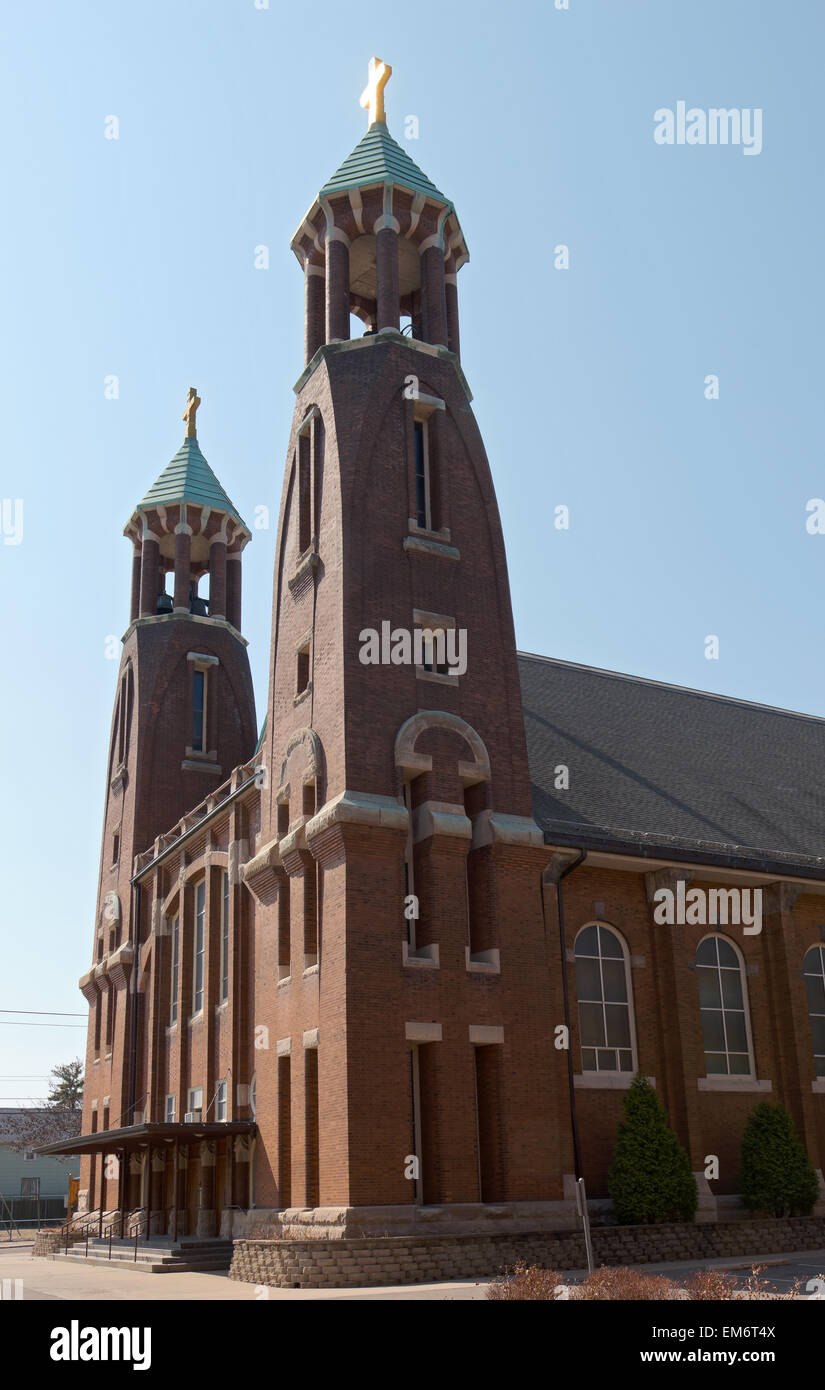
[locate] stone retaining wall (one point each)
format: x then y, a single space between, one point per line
348 1263
48 1242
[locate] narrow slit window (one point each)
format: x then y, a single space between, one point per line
814 974
200 913
304 495
422 475
198 706
303 670
173 984
225 938
434 650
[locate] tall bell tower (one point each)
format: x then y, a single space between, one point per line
184 717
403 971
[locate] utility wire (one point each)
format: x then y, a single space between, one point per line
47 1013
13 1023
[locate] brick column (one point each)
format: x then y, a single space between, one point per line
337 286
788 1013
134 607
206 1209
681 1058
364 1108
449 1161
149 576
217 579
183 567
157 1172
314 311
441 841
434 303
134 1183
241 1156
233 588
386 257
451 296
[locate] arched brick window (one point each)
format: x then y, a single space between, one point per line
605 998
723 1001
813 972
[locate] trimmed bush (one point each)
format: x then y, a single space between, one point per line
651 1179
777 1175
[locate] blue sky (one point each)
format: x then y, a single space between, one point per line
134 257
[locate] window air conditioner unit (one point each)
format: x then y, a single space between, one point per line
192 1117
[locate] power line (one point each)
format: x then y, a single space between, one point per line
46 1013
13 1023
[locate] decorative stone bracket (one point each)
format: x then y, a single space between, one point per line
263 873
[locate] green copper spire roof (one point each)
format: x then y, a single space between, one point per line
378 159
188 478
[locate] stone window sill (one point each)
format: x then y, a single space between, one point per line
440 537
733 1083
438 677
483 962
607 1080
425 958
420 545
197 764
818 1086
302 695
287 980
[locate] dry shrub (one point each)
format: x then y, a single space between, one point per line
626 1284
757 1288
609 1284
711 1284
524 1282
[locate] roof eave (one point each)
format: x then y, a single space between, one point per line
754 860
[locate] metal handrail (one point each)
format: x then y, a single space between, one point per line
79 1216
137 1222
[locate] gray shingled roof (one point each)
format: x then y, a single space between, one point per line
657 765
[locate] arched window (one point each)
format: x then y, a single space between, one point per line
605 1001
814 976
723 1004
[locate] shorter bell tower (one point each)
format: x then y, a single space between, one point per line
184 717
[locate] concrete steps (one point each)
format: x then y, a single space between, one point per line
156 1256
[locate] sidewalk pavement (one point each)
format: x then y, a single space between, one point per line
50 1279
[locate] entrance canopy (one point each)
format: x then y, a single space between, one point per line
147 1135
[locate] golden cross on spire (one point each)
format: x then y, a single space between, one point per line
190 412
373 94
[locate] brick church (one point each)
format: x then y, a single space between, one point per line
335 962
